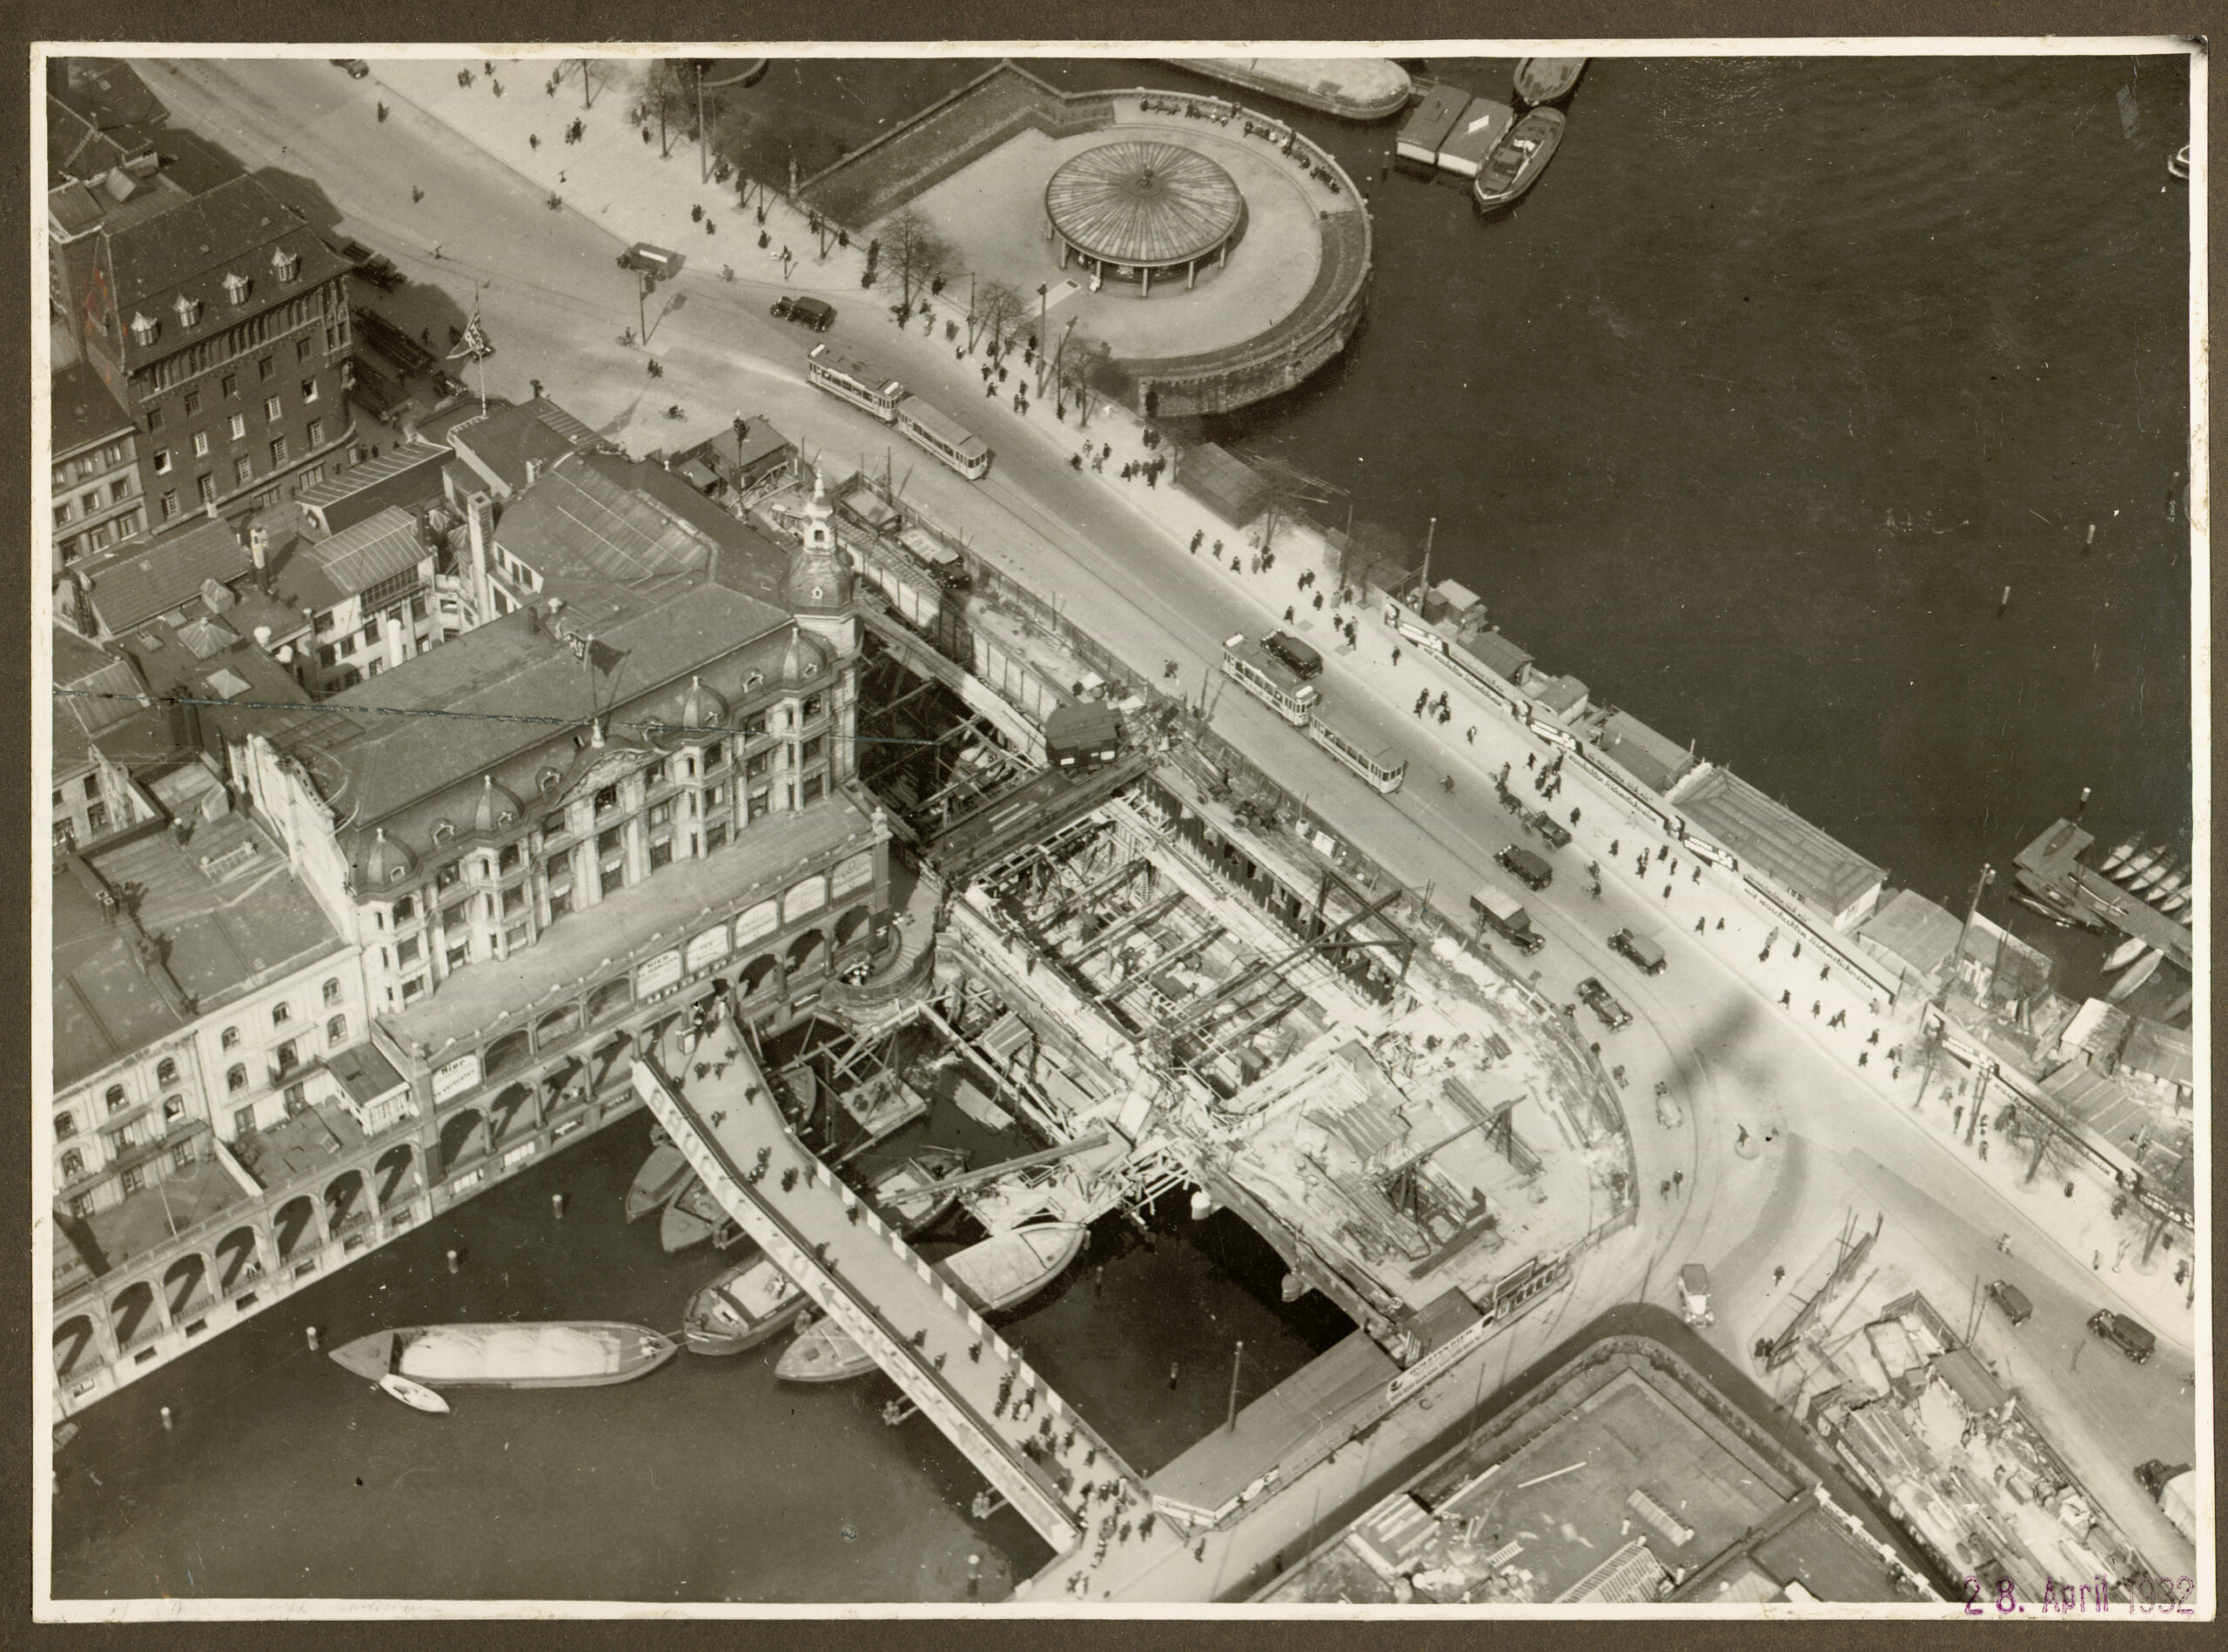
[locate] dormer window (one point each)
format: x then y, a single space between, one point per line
286 265
189 310
145 330
547 778
751 680
236 287
443 831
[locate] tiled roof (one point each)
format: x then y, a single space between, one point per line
91 685
504 442
1778 841
220 935
190 248
1913 929
2157 1051
155 578
488 697
75 147
84 410
1496 652
397 461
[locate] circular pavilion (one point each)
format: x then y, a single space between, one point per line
1141 208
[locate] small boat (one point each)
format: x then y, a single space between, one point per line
2129 871
2179 166
664 1174
1517 159
2042 907
2152 881
568 1353
822 1353
64 1434
908 1196
416 1395
2143 968
745 1305
693 1216
2119 855
2125 954
1010 1267
2174 901
1541 80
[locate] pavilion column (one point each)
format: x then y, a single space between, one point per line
1145 274
1192 275
1064 251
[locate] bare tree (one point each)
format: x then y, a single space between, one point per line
667 88
911 246
594 74
1000 311
1088 370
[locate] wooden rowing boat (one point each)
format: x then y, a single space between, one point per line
908 1195
749 1304
693 1216
664 1174
1541 80
822 1353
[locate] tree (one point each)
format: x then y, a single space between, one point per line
915 250
1088 368
1000 310
594 74
667 89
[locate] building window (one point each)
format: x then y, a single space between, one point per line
296 1101
405 911
611 843
309 390
714 796
558 869
230 384
715 835
170 507
715 755
243 1121
812 790
174 1111
166 1071
243 470
73 1165
133 1180
446 877
761 804
413 987
235 1080
406 951
281 1014
608 797
332 991
289 1057
115 1099
460 955
654 775
508 861
759 763
513 897
315 434
272 410
201 444
662 814
265 368
192 400
336 1031
154 420
301 349
162 461
65 1126
660 854
560 901
813 747
278 452
81 1205
229 1040
205 486
237 426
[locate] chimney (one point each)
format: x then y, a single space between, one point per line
532 471
480 525
259 547
532 612
263 637
394 651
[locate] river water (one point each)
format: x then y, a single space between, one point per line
1745 415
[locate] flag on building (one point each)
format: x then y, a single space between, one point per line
473 345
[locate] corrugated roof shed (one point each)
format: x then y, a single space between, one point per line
378 548
1909 927
2156 1050
1776 840
1655 761
1496 652
1222 482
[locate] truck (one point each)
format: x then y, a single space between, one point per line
1694 1294
2173 1486
1508 917
1525 867
1639 950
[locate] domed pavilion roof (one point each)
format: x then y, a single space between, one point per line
1141 203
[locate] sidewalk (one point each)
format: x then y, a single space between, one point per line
612 177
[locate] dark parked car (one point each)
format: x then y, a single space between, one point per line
2013 1300
357 67
2124 1334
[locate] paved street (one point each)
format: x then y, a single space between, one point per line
1826 1140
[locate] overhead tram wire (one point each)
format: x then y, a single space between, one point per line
652 728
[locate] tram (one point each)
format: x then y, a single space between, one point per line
1269 680
868 387
1383 769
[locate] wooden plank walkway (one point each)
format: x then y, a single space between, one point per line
1025 1439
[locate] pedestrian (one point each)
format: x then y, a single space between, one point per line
1288 614
1217 550
535 384
533 140
1171 1376
1865 1055
1779 1275
1814 1007
1786 999
1874 1038
1741 1140
1667 1189
1697 875
1798 950
1699 923
1470 733
1678 1181
1720 923
1197 534
1957 1117
1319 601
1152 478
1896 1075
1824 969
1666 891
1983 1150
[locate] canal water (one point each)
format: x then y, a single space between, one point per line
284 1475
1746 416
